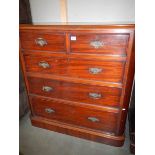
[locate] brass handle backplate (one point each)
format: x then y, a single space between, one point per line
93 119
47 88
41 42
44 64
95 70
95 95
97 43
49 110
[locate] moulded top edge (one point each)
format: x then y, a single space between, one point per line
77 25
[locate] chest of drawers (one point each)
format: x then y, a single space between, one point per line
79 78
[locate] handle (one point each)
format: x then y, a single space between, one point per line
47 88
44 64
95 70
49 110
95 95
97 43
41 42
93 119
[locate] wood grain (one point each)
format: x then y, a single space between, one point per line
128 83
75 115
75 92
74 80
57 65
112 71
69 77
83 26
77 131
112 43
55 41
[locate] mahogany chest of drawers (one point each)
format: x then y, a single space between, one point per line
79 78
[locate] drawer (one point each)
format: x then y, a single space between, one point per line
109 71
83 93
99 43
42 40
76 115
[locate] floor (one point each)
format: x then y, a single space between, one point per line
37 141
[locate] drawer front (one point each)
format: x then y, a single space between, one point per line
76 115
40 40
99 43
109 71
45 64
95 95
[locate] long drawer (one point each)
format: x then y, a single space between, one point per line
43 40
76 115
110 71
99 43
91 94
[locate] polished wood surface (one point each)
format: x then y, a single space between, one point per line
57 65
112 44
55 41
128 82
79 26
77 131
75 92
79 78
76 115
111 71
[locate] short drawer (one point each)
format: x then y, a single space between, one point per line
42 40
99 43
83 93
108 71
76 115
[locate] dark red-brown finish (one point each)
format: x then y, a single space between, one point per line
55 41
76 131
75 114
112 43
111 71
75 93
57 65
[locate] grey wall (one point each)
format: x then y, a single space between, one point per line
84 10
100 10
45 10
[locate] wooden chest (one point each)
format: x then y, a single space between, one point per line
79 78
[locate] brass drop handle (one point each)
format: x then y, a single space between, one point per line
93 119
49 110
41 42
95 95
44 64
95 70
97 43
47 88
